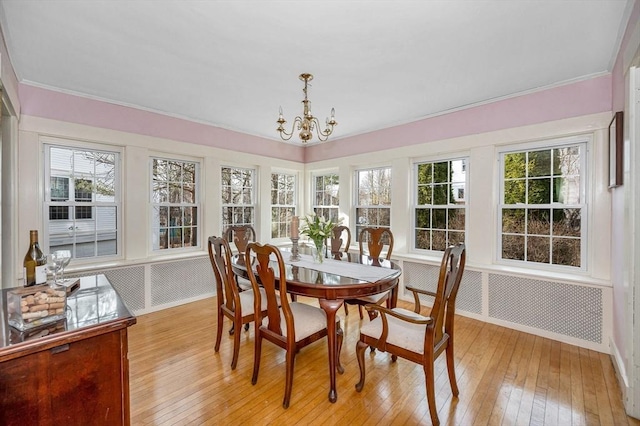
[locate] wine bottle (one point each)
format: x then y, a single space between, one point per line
35 263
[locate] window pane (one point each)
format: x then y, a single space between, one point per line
539 221
538 249
513 220
513 247
566 251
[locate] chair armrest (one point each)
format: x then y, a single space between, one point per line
416 299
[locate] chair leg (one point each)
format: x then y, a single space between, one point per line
346 310
340 333
256 356
451 369
360 348
288 386
219 330
360 311
431 392
236 349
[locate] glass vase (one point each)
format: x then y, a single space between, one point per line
318 250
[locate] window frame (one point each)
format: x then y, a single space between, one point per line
283 227
253 205
465 167
332 209
197 204
584 142
356 179
47 143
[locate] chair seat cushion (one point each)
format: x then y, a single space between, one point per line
401 333
243 283
374 298
307 320
246 301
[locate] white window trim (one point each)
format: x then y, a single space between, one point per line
586 142
197 204
46 143
415 205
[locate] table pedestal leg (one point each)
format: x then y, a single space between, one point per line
330 307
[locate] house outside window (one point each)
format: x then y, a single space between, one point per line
326 196
373 208
283 204
543 205
440 204
174 204
82 201
238 197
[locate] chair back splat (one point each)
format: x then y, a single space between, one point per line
415 337
376 239
340 241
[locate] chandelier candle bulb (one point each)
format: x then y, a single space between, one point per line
295 224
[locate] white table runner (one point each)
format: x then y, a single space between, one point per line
357 271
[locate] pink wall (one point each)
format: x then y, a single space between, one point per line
75 109
571 100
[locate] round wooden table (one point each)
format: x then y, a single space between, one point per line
331 290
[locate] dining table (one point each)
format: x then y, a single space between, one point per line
331 282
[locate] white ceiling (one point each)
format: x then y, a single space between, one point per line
379 63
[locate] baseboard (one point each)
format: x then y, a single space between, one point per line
621 370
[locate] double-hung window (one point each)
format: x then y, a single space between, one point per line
326 198
238 196
283 204
175 203
543 204
440 203
82 201
373 207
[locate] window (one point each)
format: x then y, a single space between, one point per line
542 205
374 198
326 196
440 207
238 198
82 201
283 191
174 204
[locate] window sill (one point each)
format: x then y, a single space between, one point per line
89 267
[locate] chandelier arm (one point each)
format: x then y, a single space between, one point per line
319 132
293 126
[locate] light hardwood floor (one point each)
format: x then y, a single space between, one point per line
505 377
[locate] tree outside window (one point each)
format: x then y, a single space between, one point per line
238 198
374 198
326 199
440 207
175 204
542 206
283 192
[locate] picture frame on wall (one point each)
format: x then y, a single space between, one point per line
616 134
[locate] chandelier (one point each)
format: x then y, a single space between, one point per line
307 124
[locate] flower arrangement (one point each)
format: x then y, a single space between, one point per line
318 229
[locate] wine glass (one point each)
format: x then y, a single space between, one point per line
53 265
64 257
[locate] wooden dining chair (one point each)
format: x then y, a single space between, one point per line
339 241
376 240
417 338
241 236
236 305
291 326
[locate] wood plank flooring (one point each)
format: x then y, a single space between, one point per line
505 377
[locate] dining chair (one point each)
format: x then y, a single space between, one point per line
292 325
241 236
417 338
376 240
236 305
339 241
